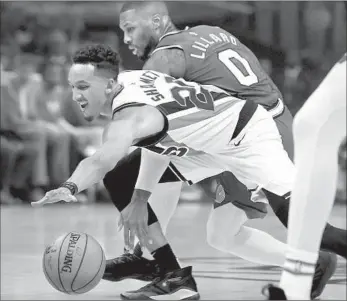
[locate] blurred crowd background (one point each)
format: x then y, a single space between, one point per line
43 133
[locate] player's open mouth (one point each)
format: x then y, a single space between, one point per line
83 105
133 50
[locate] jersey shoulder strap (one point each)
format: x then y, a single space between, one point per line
175 39
131 94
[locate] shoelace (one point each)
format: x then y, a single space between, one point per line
157 280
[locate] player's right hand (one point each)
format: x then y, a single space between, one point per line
54 196
134 219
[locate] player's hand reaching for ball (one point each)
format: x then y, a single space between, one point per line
54 196
134 219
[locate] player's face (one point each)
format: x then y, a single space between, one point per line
138 33
88 89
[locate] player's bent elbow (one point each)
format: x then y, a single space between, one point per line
222 241
219 239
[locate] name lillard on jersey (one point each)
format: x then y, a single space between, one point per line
220 38
149 88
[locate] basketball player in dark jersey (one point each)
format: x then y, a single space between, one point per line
212 56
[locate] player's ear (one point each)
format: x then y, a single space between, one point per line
156 20
112 88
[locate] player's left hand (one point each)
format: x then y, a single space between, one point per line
134 219
54 196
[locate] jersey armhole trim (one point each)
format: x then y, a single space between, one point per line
154 139
167 47
127 105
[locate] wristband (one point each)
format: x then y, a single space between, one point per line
71 186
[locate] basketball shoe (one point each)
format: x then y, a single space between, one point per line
131 266
175 285
273 292
325 268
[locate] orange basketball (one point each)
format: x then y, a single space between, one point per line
74 263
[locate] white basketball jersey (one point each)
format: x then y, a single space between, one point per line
200 118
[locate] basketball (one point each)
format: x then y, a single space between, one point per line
74 263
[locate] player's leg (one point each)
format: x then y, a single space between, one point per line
120 183
226 230
163 201
260 162
319 128
334 239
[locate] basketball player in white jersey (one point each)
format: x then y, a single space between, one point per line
201 129
319 127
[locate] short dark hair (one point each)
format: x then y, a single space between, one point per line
101 56
128 5
133 5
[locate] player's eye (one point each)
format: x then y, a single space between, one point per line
82 88
130 29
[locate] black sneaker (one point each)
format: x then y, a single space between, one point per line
325 268
175 285
273 292
130 266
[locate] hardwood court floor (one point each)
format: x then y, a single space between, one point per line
25 231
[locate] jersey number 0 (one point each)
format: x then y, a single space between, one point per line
226 57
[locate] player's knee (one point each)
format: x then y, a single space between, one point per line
221 238
112 185
120 181
224 242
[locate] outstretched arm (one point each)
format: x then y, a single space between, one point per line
129 126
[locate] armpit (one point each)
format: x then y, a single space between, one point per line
167 60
